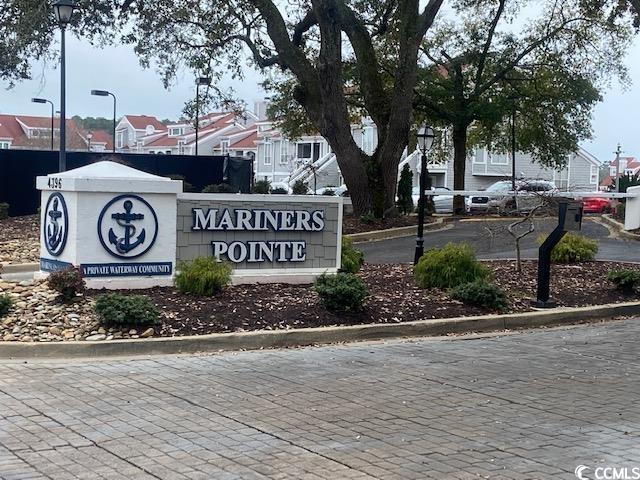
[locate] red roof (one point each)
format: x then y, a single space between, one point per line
9 127
631 162
39 122
141 122
607 181
164 141
247 141
100 136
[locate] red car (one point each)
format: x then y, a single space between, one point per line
596 205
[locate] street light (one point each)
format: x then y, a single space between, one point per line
44 100
425 142
201 82
89 137
64 11
105 93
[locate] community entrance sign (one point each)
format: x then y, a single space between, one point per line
128 229
265 238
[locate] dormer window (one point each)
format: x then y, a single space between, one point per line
176 131
150 130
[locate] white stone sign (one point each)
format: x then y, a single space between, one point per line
117 224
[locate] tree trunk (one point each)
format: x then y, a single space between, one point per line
459 165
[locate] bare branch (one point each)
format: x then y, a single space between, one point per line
487 45
303 26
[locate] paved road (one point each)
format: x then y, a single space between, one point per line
526 406
490 240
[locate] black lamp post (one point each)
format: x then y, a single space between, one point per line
64 11
425 141
105 93
44 100
201 82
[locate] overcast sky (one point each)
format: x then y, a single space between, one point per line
139 91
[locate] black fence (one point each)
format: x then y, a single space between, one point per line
19 169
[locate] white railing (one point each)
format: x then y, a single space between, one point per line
576 195
631 211
305 173
303 169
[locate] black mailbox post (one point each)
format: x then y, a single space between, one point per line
569 219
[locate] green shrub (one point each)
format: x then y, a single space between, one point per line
448 267
68 283
219 188
367 218
405 190
624 279
352 258
344 292
6 304
573 248
300 187
115 309
202 276
620 212
481 294
279 191
186 186
261 187
4 211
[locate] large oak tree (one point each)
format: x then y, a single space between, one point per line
312 41
476 70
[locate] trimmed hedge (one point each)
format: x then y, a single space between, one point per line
481 294
117 310
344 292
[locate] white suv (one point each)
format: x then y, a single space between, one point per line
510 202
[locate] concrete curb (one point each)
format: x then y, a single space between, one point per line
399 232
20 268
311 336
619 228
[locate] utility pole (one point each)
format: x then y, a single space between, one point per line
617 177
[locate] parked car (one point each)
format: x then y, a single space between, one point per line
340 191
484 204
282 185
510 202
596 205
443 202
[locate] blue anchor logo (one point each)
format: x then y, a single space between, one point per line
127 226
54 230
56 223
125 244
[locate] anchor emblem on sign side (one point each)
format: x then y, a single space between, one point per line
54 231
129 241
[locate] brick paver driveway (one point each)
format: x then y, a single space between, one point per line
530 405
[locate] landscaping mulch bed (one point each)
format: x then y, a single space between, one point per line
19 240
394 297
352 224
